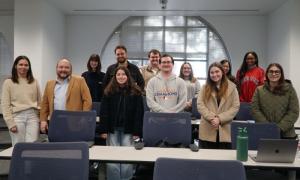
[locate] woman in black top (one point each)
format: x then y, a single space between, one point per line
121 117
94 77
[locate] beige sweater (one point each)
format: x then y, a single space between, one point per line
17 97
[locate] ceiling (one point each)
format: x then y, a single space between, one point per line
153 7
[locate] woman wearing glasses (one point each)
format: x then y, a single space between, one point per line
276 101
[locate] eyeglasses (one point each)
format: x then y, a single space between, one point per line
276 72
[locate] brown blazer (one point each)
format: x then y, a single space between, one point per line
78 97
226 111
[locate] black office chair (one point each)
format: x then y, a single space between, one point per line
59 161
174 128
255 132
191 169
244 112
72 126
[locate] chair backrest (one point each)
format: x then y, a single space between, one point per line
195 113
191 169
255 131
72 126
96 106
244 112
146 107
59 161
173 128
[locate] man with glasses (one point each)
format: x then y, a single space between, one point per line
166 92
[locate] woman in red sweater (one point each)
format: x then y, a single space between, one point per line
249 76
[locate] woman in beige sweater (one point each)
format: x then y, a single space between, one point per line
20 102
218 102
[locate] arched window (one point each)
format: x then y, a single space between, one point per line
186 38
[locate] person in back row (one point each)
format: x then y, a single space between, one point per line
94 77
218 102
249 76
67 92
152 68
122 60
192 84
20 102
166 92
276 102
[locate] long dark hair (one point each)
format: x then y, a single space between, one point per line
211 86
14 73
130 87
244 66
94 57
279 89
229 74
191 76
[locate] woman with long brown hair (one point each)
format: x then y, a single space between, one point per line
20 102
121 118
192 84
218 103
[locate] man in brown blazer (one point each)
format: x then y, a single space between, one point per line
67 92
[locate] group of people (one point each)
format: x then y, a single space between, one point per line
121 89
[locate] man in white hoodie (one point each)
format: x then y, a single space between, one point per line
166 92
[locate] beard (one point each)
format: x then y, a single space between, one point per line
63 75
121 60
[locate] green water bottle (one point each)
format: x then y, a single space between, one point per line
242 145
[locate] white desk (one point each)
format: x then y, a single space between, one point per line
149 155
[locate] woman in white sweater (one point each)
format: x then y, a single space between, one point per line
20 102
192 84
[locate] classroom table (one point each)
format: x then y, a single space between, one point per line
117 154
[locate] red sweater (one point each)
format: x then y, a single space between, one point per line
253 78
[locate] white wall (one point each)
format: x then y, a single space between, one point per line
242 34
39 34
7 29
86 35
284 41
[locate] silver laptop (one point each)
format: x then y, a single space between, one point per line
276 150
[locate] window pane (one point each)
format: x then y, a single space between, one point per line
199 69
136 62
177 65
197 40
153 40
175 21
216 50
153 21
174 40
132 39
196 56
133 22
192 21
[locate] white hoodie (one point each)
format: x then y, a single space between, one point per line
166 95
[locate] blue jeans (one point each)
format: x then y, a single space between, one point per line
119 171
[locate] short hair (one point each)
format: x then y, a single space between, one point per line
154 51
166 55
94 57
120 47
